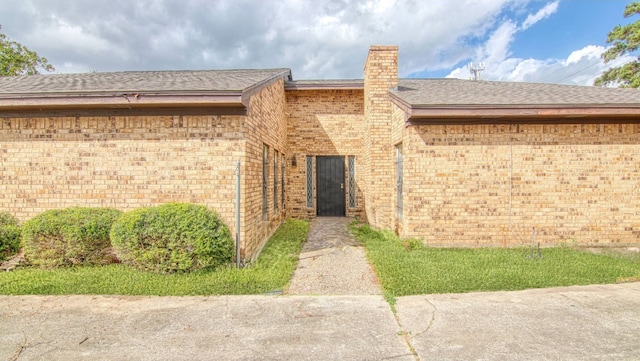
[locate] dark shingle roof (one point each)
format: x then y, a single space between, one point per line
133 93
458 92
139 82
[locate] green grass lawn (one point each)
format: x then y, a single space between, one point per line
404 271
271 272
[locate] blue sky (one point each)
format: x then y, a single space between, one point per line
577 23
558 41
573 25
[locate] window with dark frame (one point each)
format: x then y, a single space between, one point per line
352 181
265 162
275 180
309 181
282 164
399 181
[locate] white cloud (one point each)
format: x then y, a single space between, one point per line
496 48
543 13
580 67
322 39
590 52
61 33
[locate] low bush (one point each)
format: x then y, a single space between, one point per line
70 236
270 273
9 235
173 237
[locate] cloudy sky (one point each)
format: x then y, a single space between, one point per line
553 41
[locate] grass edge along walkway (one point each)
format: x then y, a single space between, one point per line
271 272
410 268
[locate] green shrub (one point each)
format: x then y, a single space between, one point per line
9 235
8 219
173 237
71 236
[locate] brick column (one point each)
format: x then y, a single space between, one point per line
380 74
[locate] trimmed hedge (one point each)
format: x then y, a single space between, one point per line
70 236
9 235
173 237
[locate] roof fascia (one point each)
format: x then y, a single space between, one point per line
583 111
570 113
536 121
123 100
96 112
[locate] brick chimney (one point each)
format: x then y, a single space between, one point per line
380 74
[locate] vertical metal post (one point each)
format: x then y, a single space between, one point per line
533 239
238 214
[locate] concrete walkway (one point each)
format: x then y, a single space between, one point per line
332 262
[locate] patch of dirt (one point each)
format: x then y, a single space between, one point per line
13 262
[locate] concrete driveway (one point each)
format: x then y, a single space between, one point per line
575 323
600 322
199 328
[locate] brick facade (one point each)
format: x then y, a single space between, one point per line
266 124
462 184
323 122
492 184
120 162
398 131
138 161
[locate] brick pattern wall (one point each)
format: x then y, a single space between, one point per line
266 123
119 162
492 184
380 74
323 122
137 161
398 117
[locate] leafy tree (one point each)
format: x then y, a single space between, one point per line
625 40
17 59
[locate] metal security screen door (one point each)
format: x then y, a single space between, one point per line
330 186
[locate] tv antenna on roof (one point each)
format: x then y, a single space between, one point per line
476 70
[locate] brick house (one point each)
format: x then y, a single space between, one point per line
445 160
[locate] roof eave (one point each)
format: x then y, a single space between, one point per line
133 99
519 112
122 104
543 113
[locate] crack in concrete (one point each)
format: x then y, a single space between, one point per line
405 335
433 318
20 349
408 336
